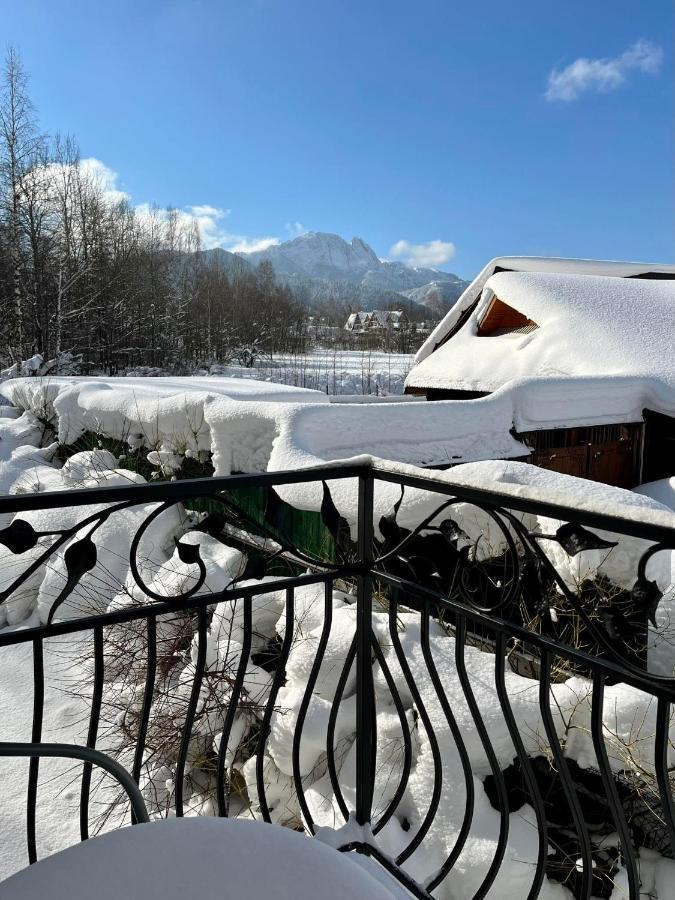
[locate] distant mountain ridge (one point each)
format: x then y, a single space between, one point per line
326 265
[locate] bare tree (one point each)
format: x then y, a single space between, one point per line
83 270
18 143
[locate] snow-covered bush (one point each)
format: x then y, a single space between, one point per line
48 591
65 363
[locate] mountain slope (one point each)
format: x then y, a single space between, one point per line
317 255
325 264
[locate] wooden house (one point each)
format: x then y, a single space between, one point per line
377 320
584 350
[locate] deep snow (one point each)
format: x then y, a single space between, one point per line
628 715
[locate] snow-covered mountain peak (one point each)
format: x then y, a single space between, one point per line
326 263
319 254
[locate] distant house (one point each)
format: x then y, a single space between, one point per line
377 320
354 322
583 352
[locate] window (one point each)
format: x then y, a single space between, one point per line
500 318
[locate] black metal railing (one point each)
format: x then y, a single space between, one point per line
451 629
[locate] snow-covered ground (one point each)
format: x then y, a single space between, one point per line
333 372
364 373
127 412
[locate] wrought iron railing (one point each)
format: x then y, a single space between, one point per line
452 628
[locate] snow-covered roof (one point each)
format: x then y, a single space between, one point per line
536 264
613 333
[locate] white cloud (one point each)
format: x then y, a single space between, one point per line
434 253
207 223
252 245
206 210
207 218
104 177
603 75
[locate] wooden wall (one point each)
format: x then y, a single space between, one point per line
610 454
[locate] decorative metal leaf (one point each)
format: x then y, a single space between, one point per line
188 553
79 558
391 531
275 510
647 596
574 539
452 532
334 522
19 536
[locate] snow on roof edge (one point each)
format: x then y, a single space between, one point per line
568 401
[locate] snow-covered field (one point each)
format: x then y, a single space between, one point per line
355 373
333 372
145 416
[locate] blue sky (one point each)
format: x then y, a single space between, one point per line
402 123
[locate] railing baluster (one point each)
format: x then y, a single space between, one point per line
453 856
564 774
460 640
330 731
366 727
148 692
407 743
306 699
422 831
191 707
36 737
627 849
279 678
233 702
532 786
661 743
92 734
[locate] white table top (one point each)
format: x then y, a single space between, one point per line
181 859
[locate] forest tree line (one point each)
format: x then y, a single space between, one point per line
82 270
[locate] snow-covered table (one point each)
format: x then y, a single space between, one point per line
177 859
